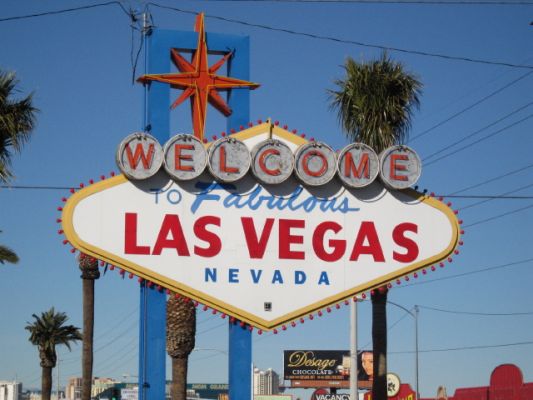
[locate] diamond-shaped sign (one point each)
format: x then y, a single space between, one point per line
266 254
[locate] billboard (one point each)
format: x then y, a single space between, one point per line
300 233
326 365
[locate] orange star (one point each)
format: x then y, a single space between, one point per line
199 82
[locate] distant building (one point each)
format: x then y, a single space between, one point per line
100 385
10 390
266 382
73 389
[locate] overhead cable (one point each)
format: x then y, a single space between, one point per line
478 131
345 41
499 90
479 140
66 10
490 180
476 313
506 265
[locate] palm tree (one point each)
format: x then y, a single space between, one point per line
46 332
181 331
7 255
375 103
89 272
17 120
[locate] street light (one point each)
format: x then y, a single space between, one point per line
415 316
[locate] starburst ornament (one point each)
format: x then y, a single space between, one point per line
199 81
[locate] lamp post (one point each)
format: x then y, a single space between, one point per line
413 313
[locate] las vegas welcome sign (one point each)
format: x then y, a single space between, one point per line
261 225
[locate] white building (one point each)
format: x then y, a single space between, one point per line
10 390
266 382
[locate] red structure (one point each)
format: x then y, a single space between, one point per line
506 383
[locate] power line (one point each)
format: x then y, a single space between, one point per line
499 216
478 131
477 203
505 175
476 313
65 10
424 2
499 90
479 140
489 346
344 41
511 264
473 196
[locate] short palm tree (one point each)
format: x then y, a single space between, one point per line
375 102
17 120
89 272
46 332
181 332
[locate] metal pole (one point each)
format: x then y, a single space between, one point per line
58 360
353 351
416 352
415 316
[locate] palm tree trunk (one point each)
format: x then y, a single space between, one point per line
46 383
89 269
88 330
379 343
178 387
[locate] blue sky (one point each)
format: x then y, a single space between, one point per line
79 67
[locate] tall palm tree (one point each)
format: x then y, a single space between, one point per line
8 255
89 272
375 102
181 331
17 120
46 332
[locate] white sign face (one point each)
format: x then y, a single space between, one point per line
264 254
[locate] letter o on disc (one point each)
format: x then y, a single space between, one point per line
139 156
185 157
228 159
272 161
315 163
400 167
358 165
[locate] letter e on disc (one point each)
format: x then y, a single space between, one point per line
185 157
400 167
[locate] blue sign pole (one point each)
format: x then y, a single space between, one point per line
153 303
240 338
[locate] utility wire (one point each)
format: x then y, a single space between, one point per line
478 131
490 180
476 313
424 2
344 41
490 346
499 90
499 216
477 203
478 141
424 282
66 10
473 196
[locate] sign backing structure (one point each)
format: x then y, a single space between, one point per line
265 254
